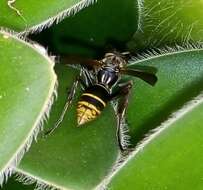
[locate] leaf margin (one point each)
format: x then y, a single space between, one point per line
8 169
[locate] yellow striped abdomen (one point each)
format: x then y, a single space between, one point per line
90 105
86 112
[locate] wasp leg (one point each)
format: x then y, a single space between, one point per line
86 81
123 94
70 97
84 86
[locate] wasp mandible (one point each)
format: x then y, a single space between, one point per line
101 83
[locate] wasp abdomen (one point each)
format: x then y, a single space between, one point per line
91 103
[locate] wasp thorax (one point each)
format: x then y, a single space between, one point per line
86 112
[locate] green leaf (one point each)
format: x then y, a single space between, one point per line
179 80
106 24
72 157
27 82
171 158
19 15
169 22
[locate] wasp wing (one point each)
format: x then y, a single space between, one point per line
146 73
74 60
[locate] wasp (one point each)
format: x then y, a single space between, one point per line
101 82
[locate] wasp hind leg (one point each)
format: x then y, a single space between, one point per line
123 95
69 100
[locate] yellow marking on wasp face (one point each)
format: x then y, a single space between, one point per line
95 97
86 112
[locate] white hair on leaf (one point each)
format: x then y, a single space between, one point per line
7 171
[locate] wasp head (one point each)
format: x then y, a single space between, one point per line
115 60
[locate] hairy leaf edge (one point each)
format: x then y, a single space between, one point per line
58 18
165 51
27 179
7 171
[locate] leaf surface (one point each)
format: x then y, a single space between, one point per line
171 158
179 80
27 82
18 14
168 23
96 29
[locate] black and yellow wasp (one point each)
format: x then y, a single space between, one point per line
101 82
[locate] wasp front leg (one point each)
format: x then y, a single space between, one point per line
122 93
